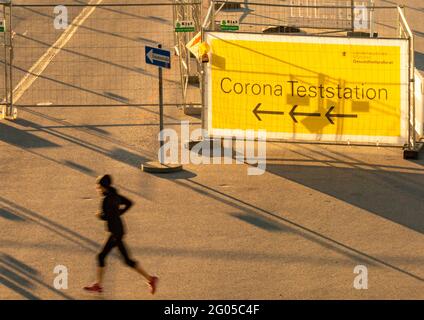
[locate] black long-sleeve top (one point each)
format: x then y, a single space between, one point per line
113 206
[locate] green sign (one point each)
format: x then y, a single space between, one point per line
184 26
230 25
2 26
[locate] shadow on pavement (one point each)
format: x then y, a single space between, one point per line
291 226
284 224
117 153
62 231
394 196
14 287
260 222
23 279
23 139
182 175
117 97
9 215
79 167
127 157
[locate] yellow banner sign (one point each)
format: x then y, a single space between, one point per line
308 88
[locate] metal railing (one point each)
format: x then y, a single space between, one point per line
190 70
314 16
7 110
97 60
406 32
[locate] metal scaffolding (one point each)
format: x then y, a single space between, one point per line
189 66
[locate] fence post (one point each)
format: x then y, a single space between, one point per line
8 112
6 82
213 16
372 4
10 35
412 85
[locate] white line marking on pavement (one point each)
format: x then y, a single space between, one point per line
44 104
42 63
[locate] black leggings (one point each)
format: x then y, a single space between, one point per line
112 242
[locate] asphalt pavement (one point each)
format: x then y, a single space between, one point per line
210 232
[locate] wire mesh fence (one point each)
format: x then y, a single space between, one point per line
310 16
92 53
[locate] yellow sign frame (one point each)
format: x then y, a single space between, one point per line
284 64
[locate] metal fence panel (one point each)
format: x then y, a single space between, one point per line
99 59
314 16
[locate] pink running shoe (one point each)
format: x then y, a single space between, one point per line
153 284
94 288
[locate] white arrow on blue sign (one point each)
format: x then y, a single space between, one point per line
158 57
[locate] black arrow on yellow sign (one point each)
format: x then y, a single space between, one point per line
257 112
293 114
330 115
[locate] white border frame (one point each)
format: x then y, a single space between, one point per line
384 140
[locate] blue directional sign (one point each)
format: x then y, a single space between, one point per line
158 57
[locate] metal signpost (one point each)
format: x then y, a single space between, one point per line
161 59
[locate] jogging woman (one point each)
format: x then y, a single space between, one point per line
113 206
